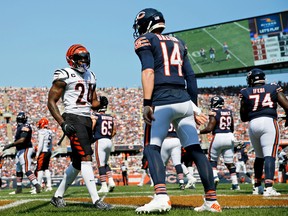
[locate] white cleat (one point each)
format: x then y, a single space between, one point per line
160 203
212 206
103 190
49 189
140 185
33 191
270 191
191 183
258 190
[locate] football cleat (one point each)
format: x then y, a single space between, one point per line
58 202
270 191
111 186
212 206
235 187
258 190
17 191
49 189
182 186
103 190
160 203
99 204
38 188
140 184
191 183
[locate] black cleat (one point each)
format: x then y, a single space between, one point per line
38 188
58 202
99 204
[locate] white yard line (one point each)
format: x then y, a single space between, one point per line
191 57
222 44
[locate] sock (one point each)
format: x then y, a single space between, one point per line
32 178
191 170
40 176
234 178
88 176
269 167
48 178
69 176
258 170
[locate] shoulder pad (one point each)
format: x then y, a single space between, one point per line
212 113
26 127
141 42
60 74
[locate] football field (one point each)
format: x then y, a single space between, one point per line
126 198
235 34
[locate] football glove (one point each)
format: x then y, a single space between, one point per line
148 115
103 101
68 129
8 146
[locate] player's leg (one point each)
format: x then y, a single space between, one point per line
100 155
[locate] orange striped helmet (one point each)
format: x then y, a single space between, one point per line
77 52
42 123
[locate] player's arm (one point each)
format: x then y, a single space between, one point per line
40 145
283 102
54 95
17 142
211 124
189 76
243 109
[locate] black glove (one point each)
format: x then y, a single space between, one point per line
68 129
103 101
8 146
148 115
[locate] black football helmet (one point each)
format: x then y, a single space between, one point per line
217 102
21 118
147 20
255 76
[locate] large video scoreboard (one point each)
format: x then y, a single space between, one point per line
239 45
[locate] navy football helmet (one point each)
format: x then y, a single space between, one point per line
147 20
255 76
21 118
216 102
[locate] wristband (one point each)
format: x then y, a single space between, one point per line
147 102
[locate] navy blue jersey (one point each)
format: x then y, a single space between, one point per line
224 120
171 131
24 130
242 155
261 100
104 126
167 55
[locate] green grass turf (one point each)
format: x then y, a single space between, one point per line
40 204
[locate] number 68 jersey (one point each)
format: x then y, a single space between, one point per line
77 97
261 100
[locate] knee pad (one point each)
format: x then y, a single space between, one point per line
231 167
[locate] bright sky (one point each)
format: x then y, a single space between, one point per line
35 35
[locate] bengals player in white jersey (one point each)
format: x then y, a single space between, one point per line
44 152
76 86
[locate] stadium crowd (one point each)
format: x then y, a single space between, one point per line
125 104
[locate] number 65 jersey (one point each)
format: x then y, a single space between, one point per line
261 100
77 97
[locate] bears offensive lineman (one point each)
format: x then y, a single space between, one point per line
44 152
221 124
103 131
24 152
259 107
76 86
169 87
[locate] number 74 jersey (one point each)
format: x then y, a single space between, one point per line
261 100
77 97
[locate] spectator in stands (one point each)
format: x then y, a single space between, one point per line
259 107
76 85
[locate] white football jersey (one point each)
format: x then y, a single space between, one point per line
77 97
44 141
